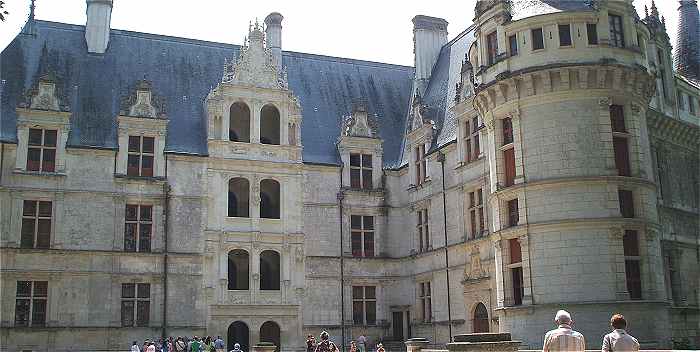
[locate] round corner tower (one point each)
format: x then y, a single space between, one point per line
564 97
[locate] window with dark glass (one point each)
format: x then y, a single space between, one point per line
492 47
518 288
630 243
472 147
41 153
564 35
364 305
509 161
420 164
362 233
617 118
621 151
270 204
592 33
423 230
507 131
513 212
626 200
361 171
270 270
138 228
537 39
425 301
36 224
476 213
662 77
617 36
691 104
136 304
141 154
516 255
513 44
238 269
30 303
681 101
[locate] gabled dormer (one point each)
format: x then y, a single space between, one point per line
360 150
143 126
252 113
418 141
43 124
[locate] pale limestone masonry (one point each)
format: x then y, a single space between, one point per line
569 227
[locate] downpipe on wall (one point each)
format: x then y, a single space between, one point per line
441 159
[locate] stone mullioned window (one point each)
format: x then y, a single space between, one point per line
31 302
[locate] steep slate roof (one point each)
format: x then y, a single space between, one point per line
528 8
182 71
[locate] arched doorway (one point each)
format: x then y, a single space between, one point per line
270 332
238 333
481 319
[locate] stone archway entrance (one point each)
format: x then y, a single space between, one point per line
270 332
238 333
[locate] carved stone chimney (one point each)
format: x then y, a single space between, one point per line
429 35
273 32
687 51
99 15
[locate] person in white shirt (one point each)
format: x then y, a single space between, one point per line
619 339
135 347
563 338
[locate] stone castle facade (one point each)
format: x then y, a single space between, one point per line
544 158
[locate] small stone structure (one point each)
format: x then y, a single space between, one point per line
264 347
471 342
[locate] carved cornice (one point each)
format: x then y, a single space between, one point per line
672 130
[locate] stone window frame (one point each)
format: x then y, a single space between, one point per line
633 255
420 164
142 153
364 301
361 168
592 27
135 300
532 40
37 217
362 232
139 222
475 208
349 145
471 139
616 36
423 227
141 127
45 120
632 113
425 301
44 148
32 298
571 36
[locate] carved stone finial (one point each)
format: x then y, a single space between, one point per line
358 124
142 102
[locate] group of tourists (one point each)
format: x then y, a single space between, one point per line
564 338
326 345
184 344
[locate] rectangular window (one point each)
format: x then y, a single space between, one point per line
513 45
364 305
472 147
507 131
476 213
141 154
617 36
564 35
41 152
626 200
513 215
681 101
509 162
361 171
518 289
516 255
492 47
691 104
30 303
425 303
420 164
362 229
617 118
592 32
630 243
136 304
138 228
36 224
662 77
537 39
423 230
622 162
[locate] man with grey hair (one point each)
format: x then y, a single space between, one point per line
563 338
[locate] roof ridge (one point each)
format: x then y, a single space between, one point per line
165 37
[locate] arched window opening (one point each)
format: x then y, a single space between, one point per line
269 125
239 125
481 319
238 198
238 334
270 332
269 199
238 267
269 270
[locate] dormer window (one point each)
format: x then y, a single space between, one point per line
41 153
141 152
420 164
361 171
617 36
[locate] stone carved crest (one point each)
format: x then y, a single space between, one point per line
476 271
358 124
45 94
142 102
300 254
255 65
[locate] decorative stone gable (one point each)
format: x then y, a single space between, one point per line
45 94
142 102
358 123
255 65
417 111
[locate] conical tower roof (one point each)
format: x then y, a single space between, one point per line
687 53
